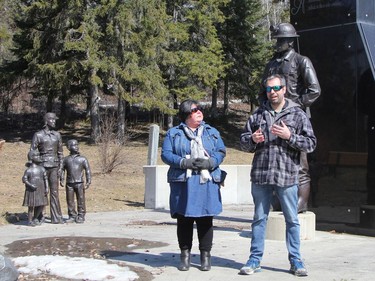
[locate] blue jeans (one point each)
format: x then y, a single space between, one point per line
262 196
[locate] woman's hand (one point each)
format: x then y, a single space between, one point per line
204 164
187 163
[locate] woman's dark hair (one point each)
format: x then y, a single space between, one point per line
185 109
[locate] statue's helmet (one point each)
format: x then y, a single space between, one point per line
283 30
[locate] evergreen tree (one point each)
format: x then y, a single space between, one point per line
135 36
152 53
247 48
9 89
195 59
7 8
57 48
40 45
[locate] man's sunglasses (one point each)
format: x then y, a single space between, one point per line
195 109
275 88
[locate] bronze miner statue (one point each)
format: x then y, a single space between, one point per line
302 87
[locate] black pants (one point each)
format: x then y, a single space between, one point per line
185 227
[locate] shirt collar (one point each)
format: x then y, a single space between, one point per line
273 112
287 56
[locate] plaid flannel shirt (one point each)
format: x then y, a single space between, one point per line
276 161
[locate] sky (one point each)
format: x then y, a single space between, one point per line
74 268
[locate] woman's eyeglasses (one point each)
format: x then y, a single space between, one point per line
195 109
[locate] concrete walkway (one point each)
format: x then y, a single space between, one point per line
330 256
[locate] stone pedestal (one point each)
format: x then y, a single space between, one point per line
236 189
367 216
276 226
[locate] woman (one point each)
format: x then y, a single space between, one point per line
194 150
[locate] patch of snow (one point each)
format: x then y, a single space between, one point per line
74 268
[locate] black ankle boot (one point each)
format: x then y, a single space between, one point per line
205 261
185 260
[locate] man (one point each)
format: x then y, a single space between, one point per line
48 143
277 133
75 165
302 87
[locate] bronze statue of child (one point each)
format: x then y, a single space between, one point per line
75 166
36 188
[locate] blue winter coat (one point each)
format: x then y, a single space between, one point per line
188 196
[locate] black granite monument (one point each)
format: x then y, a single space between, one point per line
339 37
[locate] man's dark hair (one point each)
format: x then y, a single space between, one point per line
273 76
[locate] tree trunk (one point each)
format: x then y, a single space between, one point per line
49 104
63 113
226 98
215 92
175 106
121 127
94 108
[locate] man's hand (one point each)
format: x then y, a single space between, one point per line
282 131
258 136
